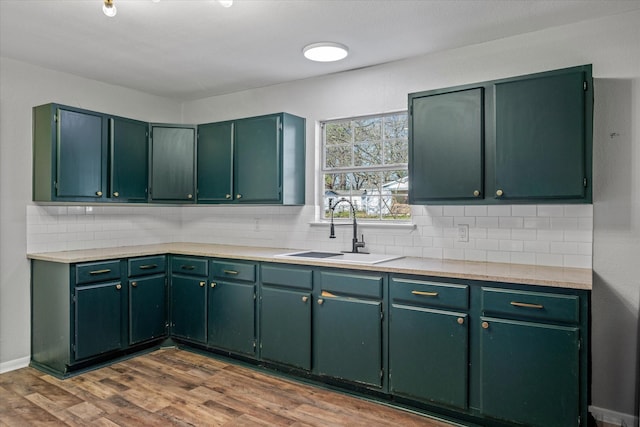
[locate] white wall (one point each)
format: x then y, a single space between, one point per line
610 44
22 87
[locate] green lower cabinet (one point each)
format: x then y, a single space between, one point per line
98 319
530 373
348 339
285 327
147 308
428 355
189 307
231 319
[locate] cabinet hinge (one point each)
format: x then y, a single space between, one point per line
381 315
55 118
254 343
254 295
579 344
585 86
579 419
411 110
584 182
381 374
55 184
73 347
73 299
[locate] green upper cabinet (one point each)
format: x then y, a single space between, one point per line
541 142
173 163
525 139
215 162
257 160
447 141
69 154
129 158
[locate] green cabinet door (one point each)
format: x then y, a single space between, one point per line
215 162
428 355
147 308
98 319
257 159
189 307
285 327
541 137
129 159
347 337
80 169
446 143
173 162
231 320
529 372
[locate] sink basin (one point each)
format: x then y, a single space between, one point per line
340 257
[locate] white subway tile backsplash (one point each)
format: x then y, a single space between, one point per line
524 234
488 222
550 210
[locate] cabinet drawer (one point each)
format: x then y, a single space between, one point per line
233 270
433 294
289 277
352 284
146 265
97 271
190 266
532 305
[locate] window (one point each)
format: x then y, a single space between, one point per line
364 160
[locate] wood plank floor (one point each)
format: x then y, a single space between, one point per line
172 387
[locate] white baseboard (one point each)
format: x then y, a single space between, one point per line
613 417
12 365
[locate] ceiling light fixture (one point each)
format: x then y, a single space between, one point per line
226 3
109 8
325 51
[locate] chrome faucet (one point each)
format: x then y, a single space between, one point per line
355 244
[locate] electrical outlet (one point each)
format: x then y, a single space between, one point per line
463 232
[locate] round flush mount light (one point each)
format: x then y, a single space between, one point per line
325 52
109 9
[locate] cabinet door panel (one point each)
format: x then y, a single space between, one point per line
285 327
188 307
428 355
147 308
446 147
540 137
98 319
231 323
129 159
529 372
173 163
257 159
348 339
215 162
80 153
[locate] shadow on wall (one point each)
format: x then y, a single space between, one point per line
616 245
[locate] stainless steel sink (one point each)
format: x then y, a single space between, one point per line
340 257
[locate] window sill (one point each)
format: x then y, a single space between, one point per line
362 224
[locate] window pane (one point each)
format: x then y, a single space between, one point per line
367 154
396 151
367 129
396 126
338 156
374 195
338 133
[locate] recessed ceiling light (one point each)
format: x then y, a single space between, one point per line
325 52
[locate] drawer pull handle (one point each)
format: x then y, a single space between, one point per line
148 266
233 272
188 267
105 271
526 305
425 294
327 294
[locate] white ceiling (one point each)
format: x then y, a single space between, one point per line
189 49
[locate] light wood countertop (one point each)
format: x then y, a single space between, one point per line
560 277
